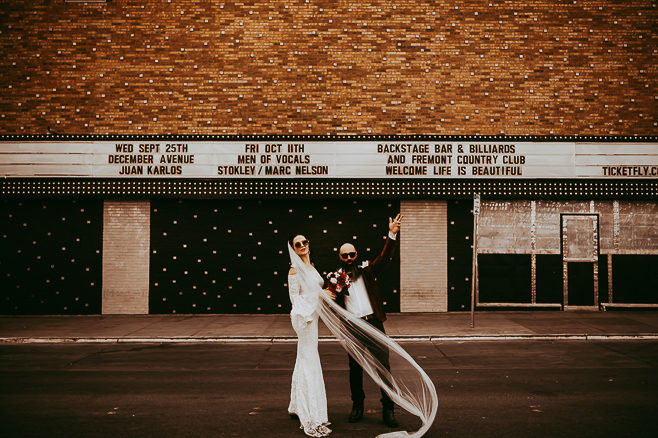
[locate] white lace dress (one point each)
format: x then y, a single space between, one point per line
308 399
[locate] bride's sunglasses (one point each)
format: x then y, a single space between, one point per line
345 255
301 244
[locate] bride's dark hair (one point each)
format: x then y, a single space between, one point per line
292 237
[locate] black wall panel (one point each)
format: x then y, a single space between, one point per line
230 256
504 278
549 278
581 283
603 278
460 253
50 256
635 278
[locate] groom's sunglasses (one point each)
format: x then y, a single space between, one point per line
345 255
301 244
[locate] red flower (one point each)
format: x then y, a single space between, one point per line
339 282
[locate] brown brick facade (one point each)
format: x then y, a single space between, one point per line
325 67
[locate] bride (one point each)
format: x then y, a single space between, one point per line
308 399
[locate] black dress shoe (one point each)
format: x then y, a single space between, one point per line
356 414
389 418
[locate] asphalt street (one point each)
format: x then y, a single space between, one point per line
486 389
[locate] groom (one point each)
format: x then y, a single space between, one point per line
365 302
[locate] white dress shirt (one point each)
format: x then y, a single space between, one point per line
357 302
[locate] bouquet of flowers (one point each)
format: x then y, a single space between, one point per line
339 282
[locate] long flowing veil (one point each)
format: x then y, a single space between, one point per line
406 382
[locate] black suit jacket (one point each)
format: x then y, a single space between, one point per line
370 273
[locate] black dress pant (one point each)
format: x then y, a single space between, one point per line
356 372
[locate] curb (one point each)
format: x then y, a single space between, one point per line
287 339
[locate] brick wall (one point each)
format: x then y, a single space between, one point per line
325 67
126 242
424 257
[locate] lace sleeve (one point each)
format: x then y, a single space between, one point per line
303 304
293 288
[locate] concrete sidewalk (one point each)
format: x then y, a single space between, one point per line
499 325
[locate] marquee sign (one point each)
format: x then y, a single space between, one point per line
328 159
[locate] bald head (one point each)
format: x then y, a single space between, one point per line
347 247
